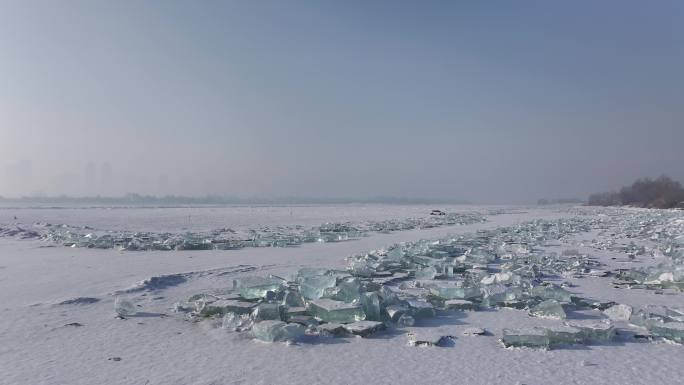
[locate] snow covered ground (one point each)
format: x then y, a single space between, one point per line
204 218
46 341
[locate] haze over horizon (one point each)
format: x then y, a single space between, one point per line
490 102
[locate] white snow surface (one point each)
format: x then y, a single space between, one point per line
205 218
39 346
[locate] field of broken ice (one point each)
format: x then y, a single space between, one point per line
342 294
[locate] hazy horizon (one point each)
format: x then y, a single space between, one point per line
486 102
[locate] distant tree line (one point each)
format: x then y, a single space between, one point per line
662 193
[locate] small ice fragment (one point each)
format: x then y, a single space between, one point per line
619 312
236 322
428 338
474 331
364 328
124 307
395 311
183 307
548 309
307 272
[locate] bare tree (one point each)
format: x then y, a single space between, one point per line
662 192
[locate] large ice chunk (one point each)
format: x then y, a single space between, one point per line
452 290
425 338
426 273
293 298
314 287
552 292
272 331
548 309
348 290
592 330
563 334
224 306
619 312
421 308
331 330
257 287
329 310
364 328
670 330
535 337
267 311
371 306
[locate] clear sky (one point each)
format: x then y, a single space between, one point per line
489 101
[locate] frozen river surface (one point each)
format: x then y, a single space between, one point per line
45 340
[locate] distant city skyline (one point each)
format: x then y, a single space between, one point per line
489 102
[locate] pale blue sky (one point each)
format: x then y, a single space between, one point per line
489 101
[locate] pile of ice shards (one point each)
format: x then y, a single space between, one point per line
660 321
401 285
225 239
652 236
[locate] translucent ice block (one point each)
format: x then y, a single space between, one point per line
619 312
671 330
293 298
364 328
124 307
552 292
548 309
267 311
257 287
371 306
272 331
529 337
594 330
563 334
426 273
314 287
224 306
453 290
329 310
420 308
